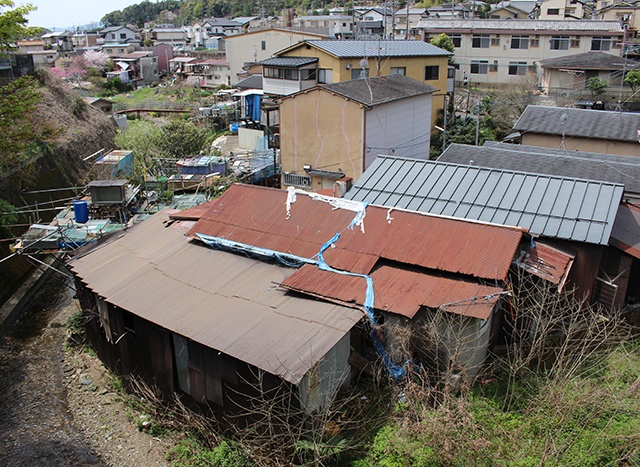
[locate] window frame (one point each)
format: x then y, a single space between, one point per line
518 68
480 41
429 72
559 42
520 41
481 67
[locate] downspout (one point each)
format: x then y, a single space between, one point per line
364 138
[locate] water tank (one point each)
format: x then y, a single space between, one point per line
80 211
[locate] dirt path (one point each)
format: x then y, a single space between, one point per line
60 408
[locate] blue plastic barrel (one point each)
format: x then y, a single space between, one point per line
80 211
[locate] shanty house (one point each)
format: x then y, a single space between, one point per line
605 132
624 170
337 130
281 301
572 215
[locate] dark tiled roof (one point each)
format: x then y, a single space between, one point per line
596 124
289 61
378 90
565 208
351 49
251 82
589 61
576 164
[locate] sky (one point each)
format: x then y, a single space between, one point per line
65 14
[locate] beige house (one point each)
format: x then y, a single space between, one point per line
173 36
41 57
562 9
501 51
600 131
572 72
339 61
337 130
627 12
243 50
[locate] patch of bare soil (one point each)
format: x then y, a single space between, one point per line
59 406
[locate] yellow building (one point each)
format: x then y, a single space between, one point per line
339 61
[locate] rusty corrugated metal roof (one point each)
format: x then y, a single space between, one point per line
224 301
545 261
399 291
257 216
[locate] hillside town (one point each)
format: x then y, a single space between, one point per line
438 201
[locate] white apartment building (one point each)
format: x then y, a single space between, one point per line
498 51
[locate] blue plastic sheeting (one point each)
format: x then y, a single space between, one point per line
396 371
253 107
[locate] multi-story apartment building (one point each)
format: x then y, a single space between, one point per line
497 51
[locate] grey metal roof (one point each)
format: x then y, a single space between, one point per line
624 170
590 61
556 207
352 49
379 90
525 6
294 62
224 301
585 123
538 25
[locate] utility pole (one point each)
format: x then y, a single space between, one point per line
478 123
444 133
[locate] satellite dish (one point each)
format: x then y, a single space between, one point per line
364 63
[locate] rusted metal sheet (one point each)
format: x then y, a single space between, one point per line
224 301
258 217
545 261
399 291
626 230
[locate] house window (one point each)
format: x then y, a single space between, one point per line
519 42
495 40
123 36
600 43
121 50
263 45
456 39
296 180
575 42
431 72
325 75
399 70
291 74
480 41
553 11
518 68
359 73
494 66
113 35
559 43
308 74
479 67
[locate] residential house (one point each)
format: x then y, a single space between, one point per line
163 53
272 306
41 57
572 215
337 130
572 72
175 37
113 50
333 26
243 50
59 41
521 9
247 22
606 132
499 51
382 15
215 72
118 35
625 170
448 11
200 31
141 66
406 23
370 30
183 66
564 9
627 12
85 40
340 61
13 66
